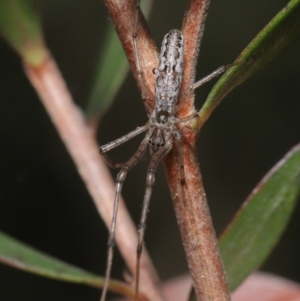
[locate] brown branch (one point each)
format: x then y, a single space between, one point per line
192 213
197 232
123 14
192 29
83 148
193 216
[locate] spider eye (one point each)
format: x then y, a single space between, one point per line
162 117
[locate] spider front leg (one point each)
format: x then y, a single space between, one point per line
142 225
119 183
111 145
146 92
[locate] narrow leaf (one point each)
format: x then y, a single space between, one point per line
282 30
21 256
18 255
111 71
20 26
257 227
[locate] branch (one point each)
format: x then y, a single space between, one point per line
193 216
192 29
123 14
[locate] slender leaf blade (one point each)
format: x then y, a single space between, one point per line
259 224
281 31
21 256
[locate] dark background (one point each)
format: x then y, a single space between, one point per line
43 201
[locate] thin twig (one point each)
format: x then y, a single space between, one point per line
192 29
197 232
196 228
83 148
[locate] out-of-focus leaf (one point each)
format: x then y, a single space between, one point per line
18 255
111 71
257 227
282 30
20 26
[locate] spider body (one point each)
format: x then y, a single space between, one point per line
168 82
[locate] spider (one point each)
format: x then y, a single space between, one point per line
162 132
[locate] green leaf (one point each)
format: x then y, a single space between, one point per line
111 71
21 256
18 255
20 26
282 30
259 224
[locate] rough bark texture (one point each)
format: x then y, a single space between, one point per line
193 216
123 14
192 211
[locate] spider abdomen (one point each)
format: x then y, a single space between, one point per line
169 72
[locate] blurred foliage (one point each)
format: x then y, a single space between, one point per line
20 26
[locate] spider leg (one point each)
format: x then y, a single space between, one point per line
209 77
134 37
146 93
184 119
119 183
194 115
111 145
178 137
142 225
200 82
